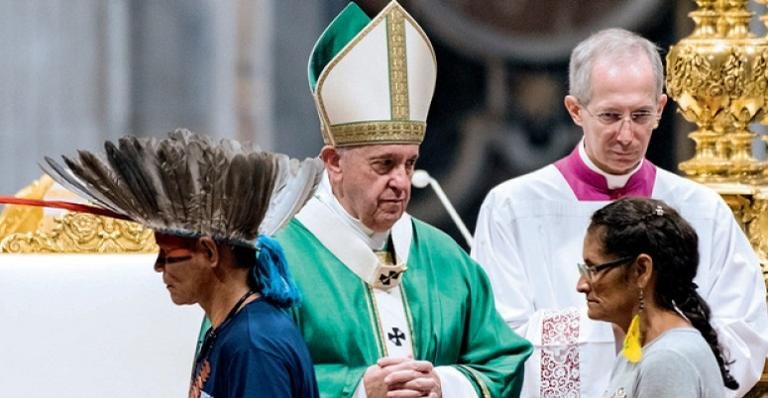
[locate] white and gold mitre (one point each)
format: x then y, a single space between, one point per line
373 79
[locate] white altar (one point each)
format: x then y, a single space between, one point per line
92 325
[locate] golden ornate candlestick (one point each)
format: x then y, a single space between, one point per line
718 76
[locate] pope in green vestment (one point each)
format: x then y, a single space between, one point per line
390 304
448 299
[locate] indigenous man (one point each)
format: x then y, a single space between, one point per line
530 229
211 207
391 305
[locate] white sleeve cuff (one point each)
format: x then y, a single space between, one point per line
360 390
453 383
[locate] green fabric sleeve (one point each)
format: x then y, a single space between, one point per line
204 326
491 354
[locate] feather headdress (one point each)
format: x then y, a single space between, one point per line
189 185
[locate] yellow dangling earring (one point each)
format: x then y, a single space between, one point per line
633 349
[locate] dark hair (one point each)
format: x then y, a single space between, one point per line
632 226
245 257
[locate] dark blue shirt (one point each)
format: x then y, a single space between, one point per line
257 353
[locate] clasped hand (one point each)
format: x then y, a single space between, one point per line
401 378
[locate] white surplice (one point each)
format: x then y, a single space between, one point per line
529 236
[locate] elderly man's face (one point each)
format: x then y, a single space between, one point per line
373 182
621 115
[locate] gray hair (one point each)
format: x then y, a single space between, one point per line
609 43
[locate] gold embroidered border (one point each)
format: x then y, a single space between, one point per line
379 132
398 65
478 379
373 312
409 318
378 329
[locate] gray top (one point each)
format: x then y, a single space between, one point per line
678 363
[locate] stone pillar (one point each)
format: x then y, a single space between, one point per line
77 72
62 82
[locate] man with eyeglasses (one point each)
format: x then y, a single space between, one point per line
530 229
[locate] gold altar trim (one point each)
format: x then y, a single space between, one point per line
82 233
725 188
749 204
25 218
26 229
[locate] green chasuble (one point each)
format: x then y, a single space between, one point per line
448 302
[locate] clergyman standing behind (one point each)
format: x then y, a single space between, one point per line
530 228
